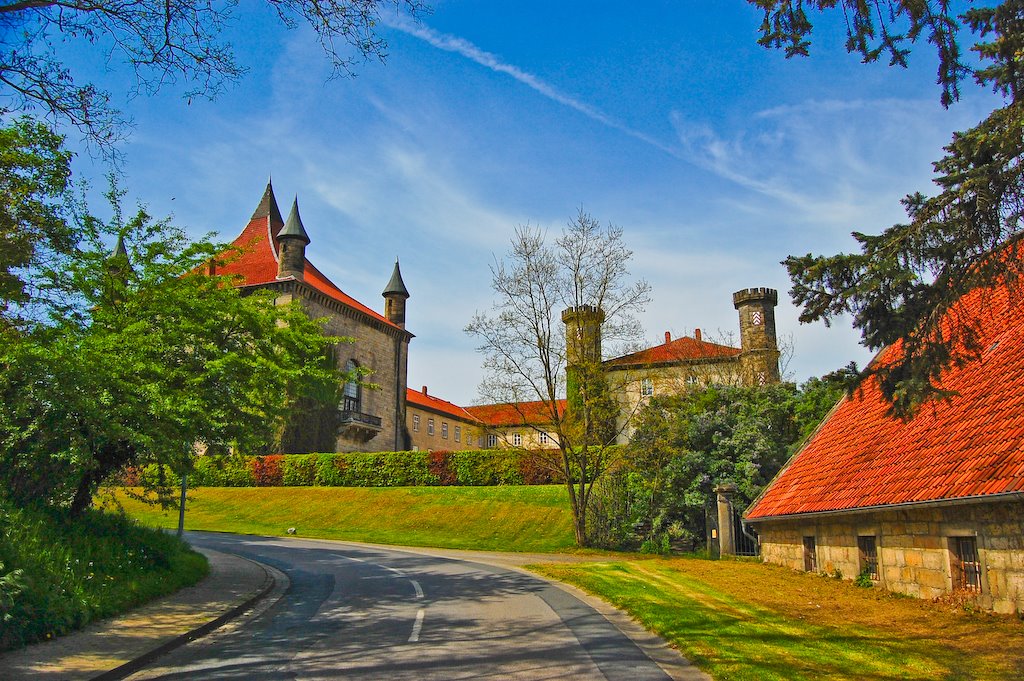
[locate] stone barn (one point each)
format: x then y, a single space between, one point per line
928 506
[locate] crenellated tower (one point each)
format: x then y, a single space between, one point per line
582 346
291 243
759 357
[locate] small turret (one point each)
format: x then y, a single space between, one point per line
119 267
760 350
292 241
395 294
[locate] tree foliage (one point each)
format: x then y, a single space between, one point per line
134 355
686 444
162 41
901 284
526 358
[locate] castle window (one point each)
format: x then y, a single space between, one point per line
444 430
492 441
544 438
868 556
458 434
415 423
430 426
810 555
351 400
966 566
517 439
646 387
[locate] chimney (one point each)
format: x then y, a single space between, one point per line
696 334
424 390
668 337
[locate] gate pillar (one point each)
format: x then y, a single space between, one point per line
726 536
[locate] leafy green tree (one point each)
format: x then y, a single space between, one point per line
162 42
136 354
34 182
527 358
686 444
900 284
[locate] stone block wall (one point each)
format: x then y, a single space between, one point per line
379 347
914 547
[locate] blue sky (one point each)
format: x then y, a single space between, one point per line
717 157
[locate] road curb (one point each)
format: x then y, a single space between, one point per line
140 662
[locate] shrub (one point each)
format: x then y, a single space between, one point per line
266 470
299 470
440 466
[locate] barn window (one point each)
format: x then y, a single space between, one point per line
967 567
868 556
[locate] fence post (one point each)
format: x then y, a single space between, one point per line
726 536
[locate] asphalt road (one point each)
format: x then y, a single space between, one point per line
355 612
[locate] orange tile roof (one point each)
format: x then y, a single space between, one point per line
515 414
680 350
420 398
972 446
256 264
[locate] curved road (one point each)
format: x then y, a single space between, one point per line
365 612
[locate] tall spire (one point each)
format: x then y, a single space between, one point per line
268 206
396 286
293 226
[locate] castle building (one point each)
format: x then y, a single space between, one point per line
436 424
675 366
271 255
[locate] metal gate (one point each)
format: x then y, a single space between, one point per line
747 541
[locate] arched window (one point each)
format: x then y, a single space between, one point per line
352 393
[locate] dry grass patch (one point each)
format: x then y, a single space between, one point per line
745 620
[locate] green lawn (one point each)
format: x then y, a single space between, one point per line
526 518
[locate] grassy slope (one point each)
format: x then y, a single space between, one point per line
745 620
528 518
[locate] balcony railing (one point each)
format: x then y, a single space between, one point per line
354 417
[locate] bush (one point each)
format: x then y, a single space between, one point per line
299 470
57 574
361 469
266 470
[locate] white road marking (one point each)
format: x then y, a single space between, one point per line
416 585
417 625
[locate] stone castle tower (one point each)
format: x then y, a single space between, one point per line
759 359
291 242
582 346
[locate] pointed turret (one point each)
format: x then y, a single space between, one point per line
395 294
292 241
267 207
119 266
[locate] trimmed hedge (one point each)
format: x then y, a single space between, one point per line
367 469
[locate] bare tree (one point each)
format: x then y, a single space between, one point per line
577 290
162 41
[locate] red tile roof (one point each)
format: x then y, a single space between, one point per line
420 398
680 350
515 414
972 446
257 262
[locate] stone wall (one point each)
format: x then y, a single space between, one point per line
379 347
914 547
